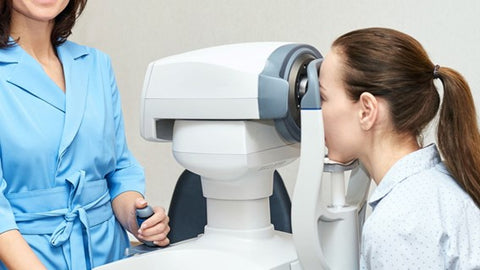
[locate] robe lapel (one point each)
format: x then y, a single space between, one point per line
28 74
76 68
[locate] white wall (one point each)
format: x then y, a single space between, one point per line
135 32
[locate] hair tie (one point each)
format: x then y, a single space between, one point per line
435 72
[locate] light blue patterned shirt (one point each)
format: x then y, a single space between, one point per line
421 219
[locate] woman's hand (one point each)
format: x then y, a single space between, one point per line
155 228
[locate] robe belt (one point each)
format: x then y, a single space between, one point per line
78 206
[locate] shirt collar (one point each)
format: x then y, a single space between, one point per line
67 51
407 166
71 50
6 55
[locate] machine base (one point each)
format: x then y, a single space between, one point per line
220 249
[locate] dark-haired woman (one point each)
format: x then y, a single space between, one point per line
68 184
378 93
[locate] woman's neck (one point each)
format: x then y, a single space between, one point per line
33 36
385 152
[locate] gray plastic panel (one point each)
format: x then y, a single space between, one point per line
273 97
274 89
311 100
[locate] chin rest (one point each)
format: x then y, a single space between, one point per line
188 207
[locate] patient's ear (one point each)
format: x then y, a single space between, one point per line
368 110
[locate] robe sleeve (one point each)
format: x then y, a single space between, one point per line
7 220
128 175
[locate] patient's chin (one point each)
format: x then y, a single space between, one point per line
339 158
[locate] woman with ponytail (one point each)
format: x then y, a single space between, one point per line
378 92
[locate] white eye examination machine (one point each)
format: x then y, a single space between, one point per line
234 114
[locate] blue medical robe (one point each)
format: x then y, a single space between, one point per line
63 157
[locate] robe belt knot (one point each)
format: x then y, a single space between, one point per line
64 230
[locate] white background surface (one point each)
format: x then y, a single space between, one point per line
135 33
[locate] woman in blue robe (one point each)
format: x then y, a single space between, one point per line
69 185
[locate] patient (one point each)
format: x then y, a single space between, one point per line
378 92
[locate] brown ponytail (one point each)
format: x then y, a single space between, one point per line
458 134
393 65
